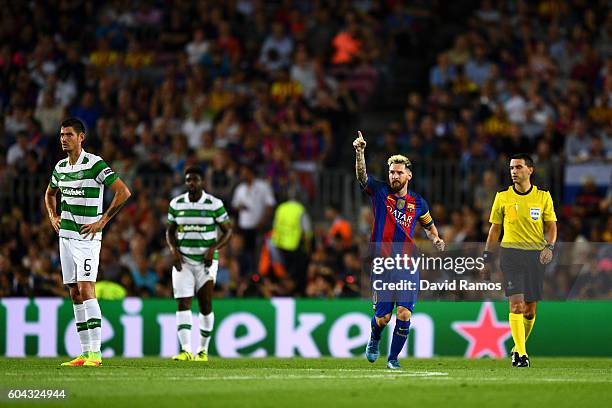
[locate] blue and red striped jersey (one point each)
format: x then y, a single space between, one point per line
395 216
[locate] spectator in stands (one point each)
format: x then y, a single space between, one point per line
144 278
578 143
442 74
485 191
276 50
478 69
347 43
303 71
221 176
197 123
49 113
87 110
516 105
340 229
588 198
198 47
253 201
17 152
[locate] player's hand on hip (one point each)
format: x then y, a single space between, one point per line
92 229
208 257
546 256
439 244
359 144
178 261
55 222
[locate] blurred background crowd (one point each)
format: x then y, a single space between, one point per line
266 97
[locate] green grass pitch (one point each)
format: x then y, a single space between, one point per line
325 382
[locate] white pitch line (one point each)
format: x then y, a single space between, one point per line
393 375
521 380
381 376
322 371
329 374
296 377
362 370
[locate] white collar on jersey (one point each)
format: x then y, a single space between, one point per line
200 201
80 159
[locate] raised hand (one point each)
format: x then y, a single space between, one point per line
359 144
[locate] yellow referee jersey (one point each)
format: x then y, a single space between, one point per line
523 216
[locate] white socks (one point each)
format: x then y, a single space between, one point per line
206 325
81 326
93 317
183 326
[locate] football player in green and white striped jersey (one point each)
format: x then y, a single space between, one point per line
193 219
81 178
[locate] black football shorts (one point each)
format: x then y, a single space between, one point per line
523 273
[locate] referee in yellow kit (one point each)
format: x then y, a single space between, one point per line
526 213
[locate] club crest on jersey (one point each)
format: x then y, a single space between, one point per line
401 203
535 213
410 207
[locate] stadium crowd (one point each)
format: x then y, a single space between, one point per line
268 94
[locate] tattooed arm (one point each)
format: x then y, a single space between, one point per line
360 165
122 193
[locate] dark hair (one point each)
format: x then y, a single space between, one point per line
194 170
524 156
75 123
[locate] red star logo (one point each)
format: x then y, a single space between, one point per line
486 335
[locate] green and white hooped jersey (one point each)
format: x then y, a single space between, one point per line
196 224
82 188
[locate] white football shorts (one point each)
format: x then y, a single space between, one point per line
192 277
79 259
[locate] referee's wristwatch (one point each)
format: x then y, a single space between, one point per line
550 246
487 256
